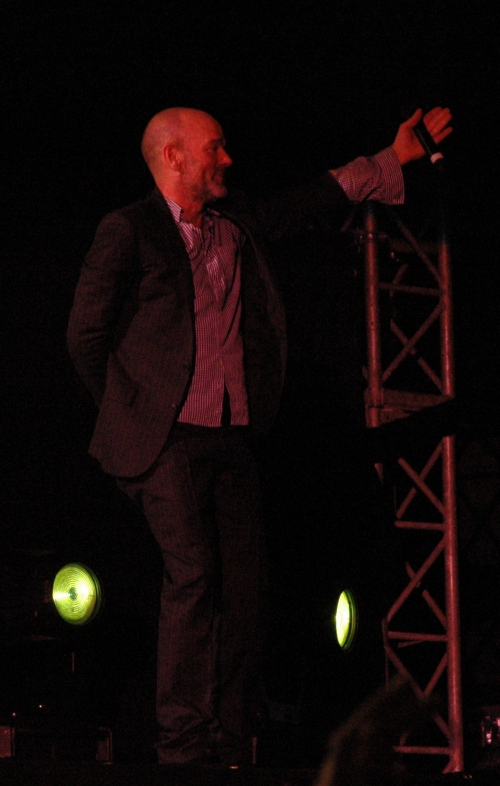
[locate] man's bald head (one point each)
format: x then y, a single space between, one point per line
169 127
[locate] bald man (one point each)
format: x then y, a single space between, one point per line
178 332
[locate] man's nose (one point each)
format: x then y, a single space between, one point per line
224 158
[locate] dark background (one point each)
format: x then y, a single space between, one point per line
297 86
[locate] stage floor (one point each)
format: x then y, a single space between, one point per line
16 773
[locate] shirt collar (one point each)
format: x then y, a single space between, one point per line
178 212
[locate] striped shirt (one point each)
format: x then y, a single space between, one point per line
214 251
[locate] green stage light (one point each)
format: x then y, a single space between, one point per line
77 594
346 619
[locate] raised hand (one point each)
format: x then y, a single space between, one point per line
406 144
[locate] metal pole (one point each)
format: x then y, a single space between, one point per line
456 762
372 318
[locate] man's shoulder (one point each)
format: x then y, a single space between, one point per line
143 215
150 204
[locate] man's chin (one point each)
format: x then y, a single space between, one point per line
217 192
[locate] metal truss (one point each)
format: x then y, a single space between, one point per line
409 375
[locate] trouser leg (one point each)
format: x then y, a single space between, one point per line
243 579
175 498
202 504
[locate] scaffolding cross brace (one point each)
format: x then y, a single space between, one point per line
410 371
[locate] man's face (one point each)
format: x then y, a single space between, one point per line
204 160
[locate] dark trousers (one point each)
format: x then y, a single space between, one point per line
202 502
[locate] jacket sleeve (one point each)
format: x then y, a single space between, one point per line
296 208
99 295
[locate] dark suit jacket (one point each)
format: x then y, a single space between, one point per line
131 330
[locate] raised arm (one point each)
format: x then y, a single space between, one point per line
379 177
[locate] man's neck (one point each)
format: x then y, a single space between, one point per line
193 214
192 210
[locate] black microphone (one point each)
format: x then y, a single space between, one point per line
427 142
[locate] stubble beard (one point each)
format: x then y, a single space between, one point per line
217 188
211 190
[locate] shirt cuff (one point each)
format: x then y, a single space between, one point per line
377 177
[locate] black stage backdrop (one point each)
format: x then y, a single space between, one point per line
297 86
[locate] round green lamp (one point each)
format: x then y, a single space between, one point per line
77 594
345 619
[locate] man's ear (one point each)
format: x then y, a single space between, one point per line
173 157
